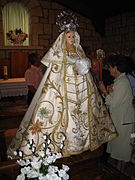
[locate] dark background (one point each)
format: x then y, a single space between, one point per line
98 10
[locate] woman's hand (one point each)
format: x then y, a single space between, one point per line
110 88
102 88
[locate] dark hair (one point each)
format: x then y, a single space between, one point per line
32 58
120 61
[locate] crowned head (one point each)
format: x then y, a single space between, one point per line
66 21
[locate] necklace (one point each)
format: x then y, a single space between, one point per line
71 49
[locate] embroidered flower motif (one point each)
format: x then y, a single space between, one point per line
36 127
43 112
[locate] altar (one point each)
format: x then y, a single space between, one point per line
13 87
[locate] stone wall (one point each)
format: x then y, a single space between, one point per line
120 33
119 30
43 30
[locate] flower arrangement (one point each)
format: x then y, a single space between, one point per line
42 166
17 36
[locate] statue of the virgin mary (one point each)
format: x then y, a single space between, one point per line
67 103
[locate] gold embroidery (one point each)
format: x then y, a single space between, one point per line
56 53
65 93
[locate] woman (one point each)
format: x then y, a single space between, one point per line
67 103
121 109
33 76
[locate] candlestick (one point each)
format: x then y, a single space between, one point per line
100 55
100 69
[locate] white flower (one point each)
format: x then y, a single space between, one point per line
53 169
42 178
32 167
20 153
45 162
36 163
21 162
61 173
43 145
66 177
65 167
33 149
26 170
48 142
32 174
58 155
48 152
31 141
52 177
45 137
54 157
10 157
27 162
63 139
35 158
50 159
20 177
61 146
41 153
15 153
56 169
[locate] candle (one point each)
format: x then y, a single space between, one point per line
5 70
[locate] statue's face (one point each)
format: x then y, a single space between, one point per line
70 38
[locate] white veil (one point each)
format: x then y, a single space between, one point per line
56 52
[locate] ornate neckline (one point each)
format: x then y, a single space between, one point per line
71 49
